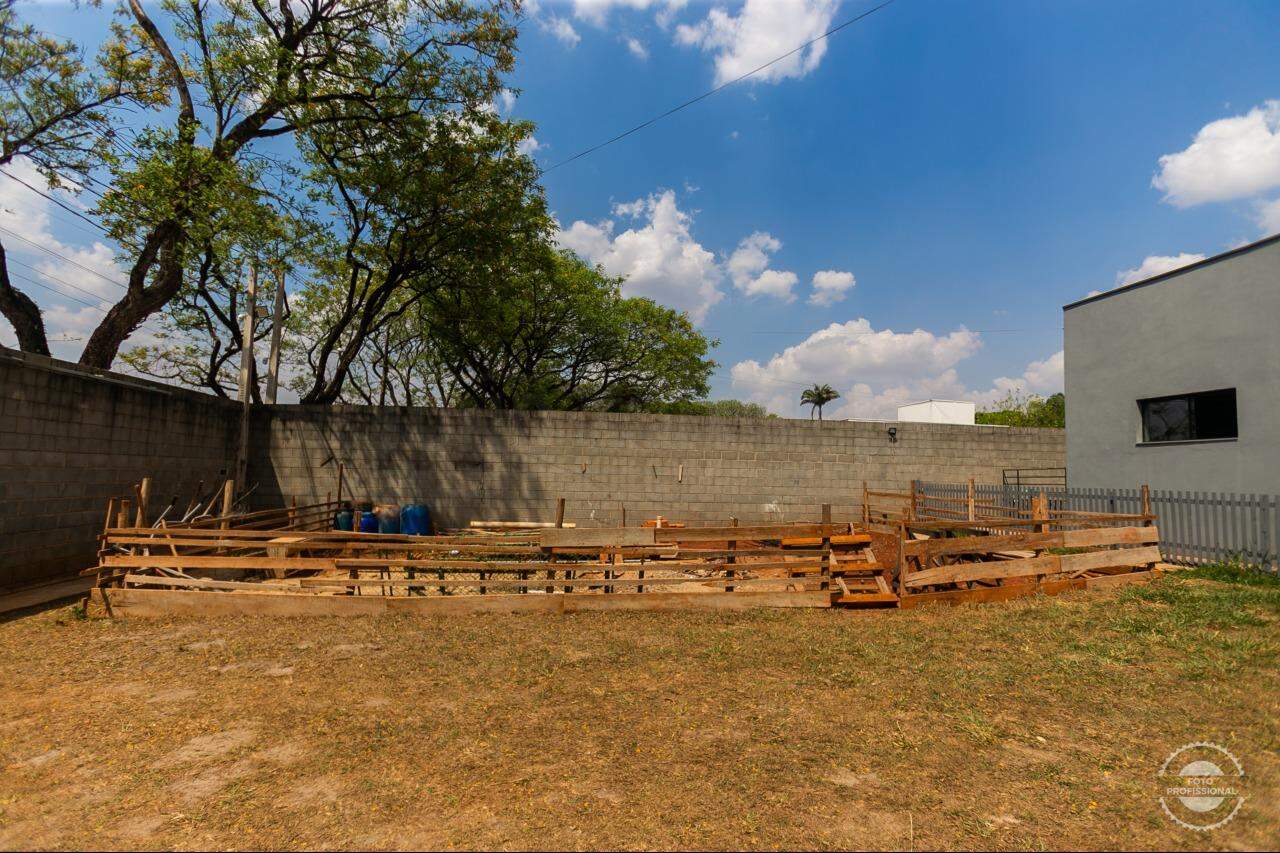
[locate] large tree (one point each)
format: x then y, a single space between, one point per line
547 331
245 81
54 115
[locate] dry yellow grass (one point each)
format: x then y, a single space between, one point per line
1025 725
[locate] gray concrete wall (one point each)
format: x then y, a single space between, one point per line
70 440
1214 326
513 465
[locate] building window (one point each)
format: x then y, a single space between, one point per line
1189 417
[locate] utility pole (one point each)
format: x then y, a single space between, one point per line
246 374
277 315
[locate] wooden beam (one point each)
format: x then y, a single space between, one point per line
133 602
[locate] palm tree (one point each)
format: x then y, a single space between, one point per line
817 397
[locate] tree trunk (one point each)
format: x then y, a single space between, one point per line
22 313
140 301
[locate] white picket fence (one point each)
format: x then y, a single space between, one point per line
1195 527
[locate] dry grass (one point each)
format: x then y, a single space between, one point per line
1023 725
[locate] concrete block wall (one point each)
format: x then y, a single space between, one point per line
469 464
70 440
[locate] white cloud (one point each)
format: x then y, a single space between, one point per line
660 258
761 31
1269 216
1041 378
830 286
877 370
1231 158
562 30
529 146
871 368
505 101
595 11
637 48
1154 265
748 268
76 277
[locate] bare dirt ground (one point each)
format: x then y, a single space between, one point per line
1023 725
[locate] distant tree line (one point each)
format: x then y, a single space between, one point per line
1029 411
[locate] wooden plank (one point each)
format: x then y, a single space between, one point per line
205 583
44 593
142 603
1110 559
930 548
533 583
1110 536
991 570
204 562
596 537
816 541
994 593
763 531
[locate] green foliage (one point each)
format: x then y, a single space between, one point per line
548 331
817 397
713 408
1017 411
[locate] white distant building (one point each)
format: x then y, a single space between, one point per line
938 412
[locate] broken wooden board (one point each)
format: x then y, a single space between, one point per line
1049 564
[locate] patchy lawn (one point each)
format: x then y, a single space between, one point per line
1030 724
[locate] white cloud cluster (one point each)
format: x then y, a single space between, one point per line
748 268
830 287
877 370
69 280
658 255
661 259
562 29
869 367
761 31
1229 159
1232 158
1154 265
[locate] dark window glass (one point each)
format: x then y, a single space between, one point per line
1187 417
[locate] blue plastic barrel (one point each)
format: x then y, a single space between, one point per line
344 519
368 522
415 520
388 518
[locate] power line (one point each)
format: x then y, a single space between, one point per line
56 201
50 287
711 92
141 326
51 277
106 278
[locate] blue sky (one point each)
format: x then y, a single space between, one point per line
970 166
